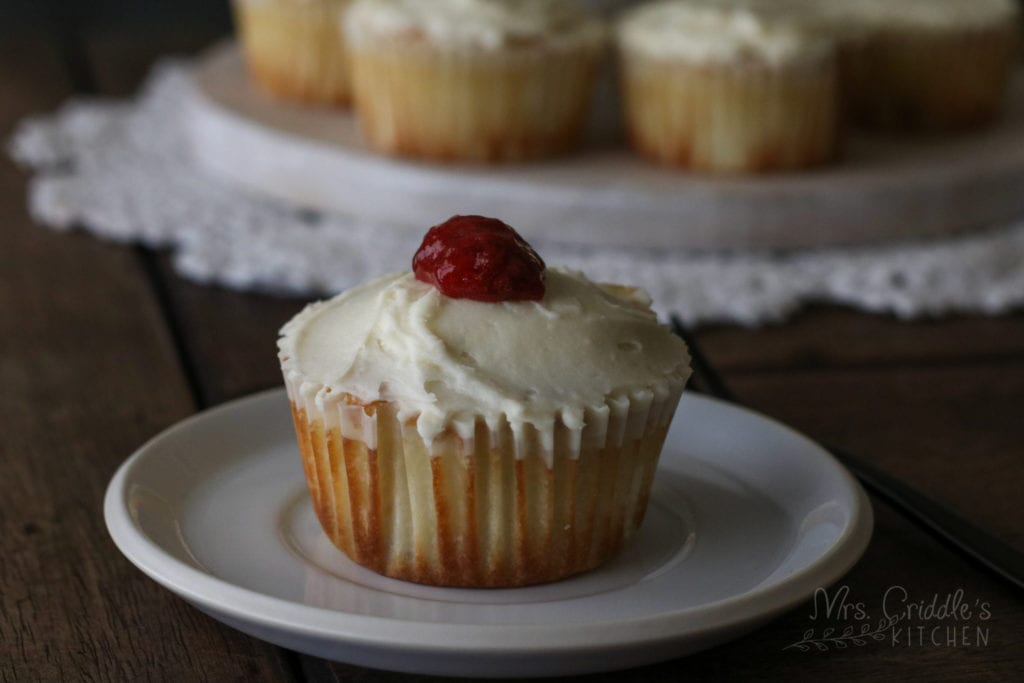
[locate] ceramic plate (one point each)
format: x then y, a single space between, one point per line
747 518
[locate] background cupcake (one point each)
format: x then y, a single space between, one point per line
726 86
482 80
925 64
295 48
501 440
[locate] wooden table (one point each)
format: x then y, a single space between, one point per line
103 346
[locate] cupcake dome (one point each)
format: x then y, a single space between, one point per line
458 442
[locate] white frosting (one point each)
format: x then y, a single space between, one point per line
446 361
486 24
721 30
921 14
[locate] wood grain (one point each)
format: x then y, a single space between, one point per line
88 374
956 433
826 337
231 337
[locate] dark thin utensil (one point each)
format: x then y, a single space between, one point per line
941 521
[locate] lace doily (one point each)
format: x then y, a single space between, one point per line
121 170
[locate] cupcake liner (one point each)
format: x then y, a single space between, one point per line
740 118
296 50
928 80
521 102
487 503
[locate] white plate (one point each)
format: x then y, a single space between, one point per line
746 519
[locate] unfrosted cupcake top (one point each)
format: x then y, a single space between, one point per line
445 361
721 30
483 24
921 14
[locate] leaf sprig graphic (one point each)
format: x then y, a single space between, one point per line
850 635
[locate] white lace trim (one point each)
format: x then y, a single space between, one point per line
121 170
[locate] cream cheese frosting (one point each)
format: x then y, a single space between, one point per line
446 362
485 24
722 30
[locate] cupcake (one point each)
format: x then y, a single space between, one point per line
925 64
482 421
295 49
472 80
728 86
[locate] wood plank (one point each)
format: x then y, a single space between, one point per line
831 336
954 432
88 373
232 336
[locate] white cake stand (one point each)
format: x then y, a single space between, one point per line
886 188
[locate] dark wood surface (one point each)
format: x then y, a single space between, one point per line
103 346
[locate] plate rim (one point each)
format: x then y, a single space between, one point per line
221 596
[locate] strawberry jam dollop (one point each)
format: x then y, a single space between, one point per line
479 258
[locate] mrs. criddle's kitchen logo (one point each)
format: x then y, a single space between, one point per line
900 620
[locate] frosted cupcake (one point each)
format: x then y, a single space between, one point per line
925 64
483 421
295 49
728 86
478 80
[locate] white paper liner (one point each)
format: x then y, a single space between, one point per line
416 100
625 416
733 117
505 507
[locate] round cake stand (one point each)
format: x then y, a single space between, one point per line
885 189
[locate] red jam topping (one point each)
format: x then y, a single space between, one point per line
479 258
